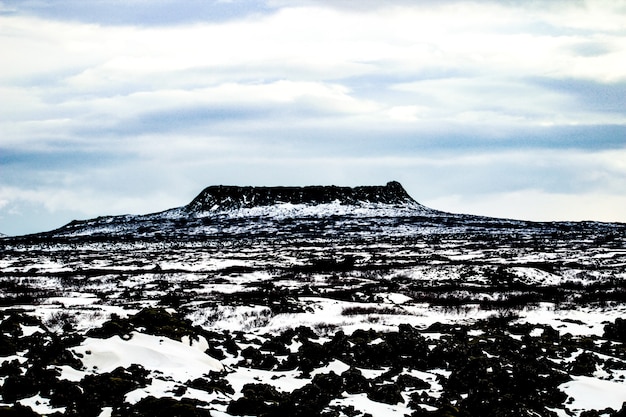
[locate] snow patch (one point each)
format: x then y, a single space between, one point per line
590 393
156 353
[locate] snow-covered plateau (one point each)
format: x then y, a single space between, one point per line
313 301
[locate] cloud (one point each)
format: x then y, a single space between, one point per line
601 100
536 205
465 98
544 15
133 12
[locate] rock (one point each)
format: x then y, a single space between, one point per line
616 330
330 383
386 393
17 410
355 382
408 381
163 407
257 399
584 364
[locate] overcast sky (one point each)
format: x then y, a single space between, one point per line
503 108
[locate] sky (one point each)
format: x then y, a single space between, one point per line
513 109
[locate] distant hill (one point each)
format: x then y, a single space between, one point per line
328 212
217 198
236 210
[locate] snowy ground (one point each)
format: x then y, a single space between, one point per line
479 294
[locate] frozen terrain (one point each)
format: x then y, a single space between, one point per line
314 301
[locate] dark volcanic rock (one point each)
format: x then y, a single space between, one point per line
222 197
163 407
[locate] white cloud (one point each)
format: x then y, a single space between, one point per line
309 43
407 113
469 98
536 205
313 45
591 15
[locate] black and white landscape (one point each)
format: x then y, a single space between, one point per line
309 301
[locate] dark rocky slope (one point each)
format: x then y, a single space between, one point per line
220 208
221 197
234 212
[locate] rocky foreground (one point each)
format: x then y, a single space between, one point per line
493 367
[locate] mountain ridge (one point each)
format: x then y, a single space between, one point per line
220 209
222 197
223 211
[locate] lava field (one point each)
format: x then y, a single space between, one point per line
313 302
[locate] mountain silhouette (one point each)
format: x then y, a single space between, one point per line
220 197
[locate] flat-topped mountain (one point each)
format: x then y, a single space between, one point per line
311 212
236 210
219 198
